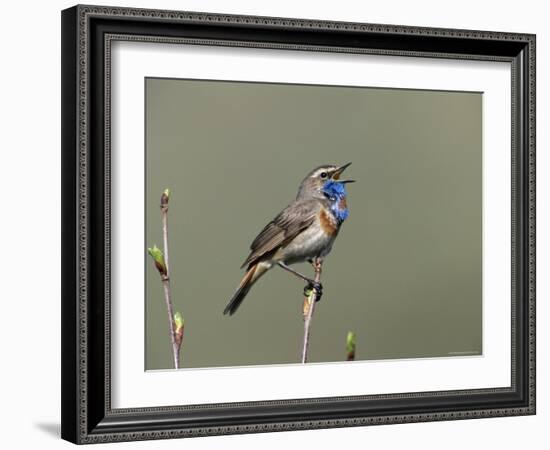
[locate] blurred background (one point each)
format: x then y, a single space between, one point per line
405 271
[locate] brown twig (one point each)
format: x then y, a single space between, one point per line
166 278
170 310
309 307
163 266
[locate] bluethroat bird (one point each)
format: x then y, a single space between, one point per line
304 231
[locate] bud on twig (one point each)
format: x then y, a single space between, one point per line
178 327
350 345
164 198
161 259
158 258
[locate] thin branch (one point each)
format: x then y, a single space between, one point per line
309 307
175 322
170 310
166 279
164 217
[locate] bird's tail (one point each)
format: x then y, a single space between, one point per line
251 276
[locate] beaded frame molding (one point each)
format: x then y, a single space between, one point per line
87 34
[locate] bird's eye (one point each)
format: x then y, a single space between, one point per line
324 175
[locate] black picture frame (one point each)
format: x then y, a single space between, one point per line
87 415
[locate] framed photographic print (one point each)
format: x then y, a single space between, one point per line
281 224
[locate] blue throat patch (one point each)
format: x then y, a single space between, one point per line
336 193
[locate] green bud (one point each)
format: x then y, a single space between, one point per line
165 197
178 320
158 258
156 254
350 342
178 328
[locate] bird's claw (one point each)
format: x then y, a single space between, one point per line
314 285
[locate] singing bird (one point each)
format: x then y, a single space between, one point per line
304 231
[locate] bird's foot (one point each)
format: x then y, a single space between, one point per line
317 263
314 285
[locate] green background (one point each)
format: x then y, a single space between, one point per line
405 271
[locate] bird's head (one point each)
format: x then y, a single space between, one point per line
315 181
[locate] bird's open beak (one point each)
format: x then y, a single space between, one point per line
336 174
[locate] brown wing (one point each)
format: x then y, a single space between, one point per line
290 222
